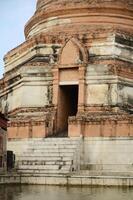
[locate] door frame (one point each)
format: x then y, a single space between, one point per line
81 87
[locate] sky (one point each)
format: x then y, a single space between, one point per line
13 16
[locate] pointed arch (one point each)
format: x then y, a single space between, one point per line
73 52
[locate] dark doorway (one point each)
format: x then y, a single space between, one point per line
67 106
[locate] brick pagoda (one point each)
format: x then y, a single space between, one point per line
73 74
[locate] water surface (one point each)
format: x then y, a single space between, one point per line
64 193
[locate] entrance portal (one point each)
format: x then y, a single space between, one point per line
67 106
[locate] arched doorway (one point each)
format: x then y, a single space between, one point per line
67 106
68 84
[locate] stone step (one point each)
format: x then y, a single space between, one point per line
44 154
43 162
43 167
56 146
46 158
59 139
45 144
38 167
43 149
47 154
48 172
50 150
45 141
54 142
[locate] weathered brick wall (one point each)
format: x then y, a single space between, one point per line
3 140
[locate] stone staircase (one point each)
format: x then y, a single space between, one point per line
45 156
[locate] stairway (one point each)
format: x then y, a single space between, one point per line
45 156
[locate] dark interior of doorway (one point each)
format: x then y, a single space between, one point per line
67 106
71 92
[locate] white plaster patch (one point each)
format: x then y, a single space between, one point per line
97 94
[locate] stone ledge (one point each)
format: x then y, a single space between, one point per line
67 180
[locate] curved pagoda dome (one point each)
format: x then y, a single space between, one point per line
65 15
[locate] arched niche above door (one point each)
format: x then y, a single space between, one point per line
72 53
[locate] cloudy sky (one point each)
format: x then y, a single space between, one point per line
13 16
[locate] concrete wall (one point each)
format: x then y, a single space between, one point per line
31 90
3 140
104 88
125 94
107 153
32 95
